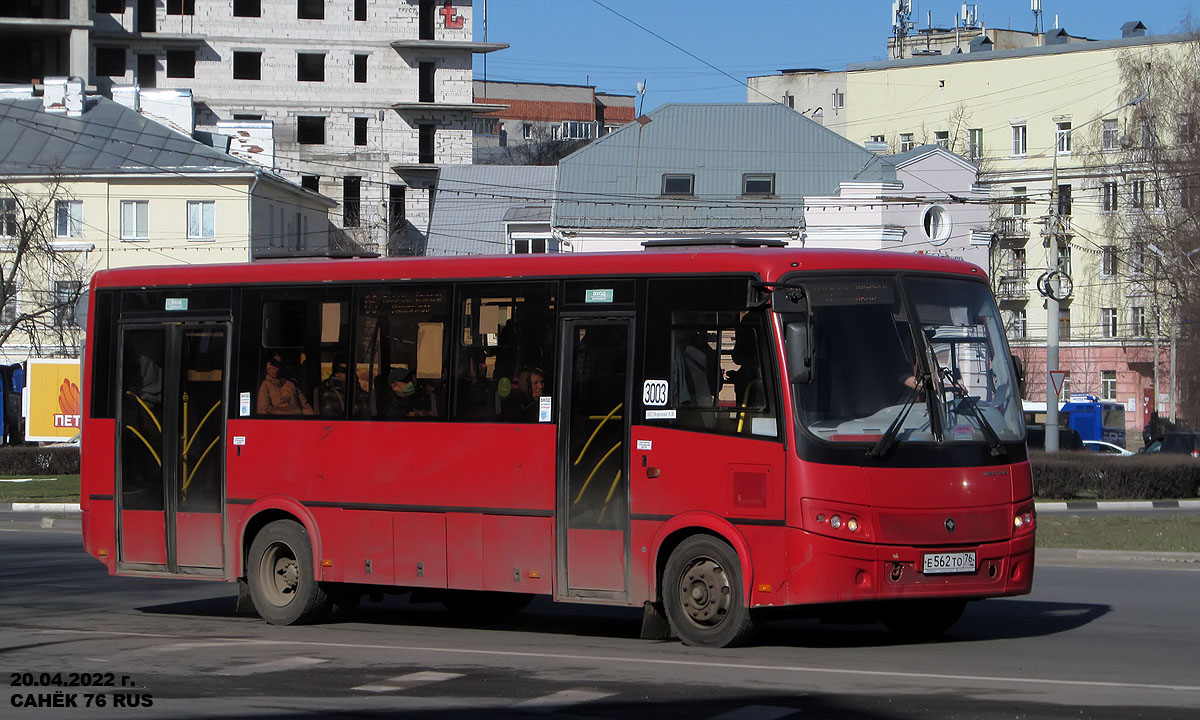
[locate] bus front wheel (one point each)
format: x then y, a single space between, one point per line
279 571
703 595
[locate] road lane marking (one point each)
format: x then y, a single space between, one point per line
561 699
409 681
756 712
289 663
706 664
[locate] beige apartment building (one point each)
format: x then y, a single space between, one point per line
1055 120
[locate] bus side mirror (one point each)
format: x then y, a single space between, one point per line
1019 370
799 352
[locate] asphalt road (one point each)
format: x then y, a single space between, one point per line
1093 641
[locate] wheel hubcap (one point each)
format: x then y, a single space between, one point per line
280 563
705 593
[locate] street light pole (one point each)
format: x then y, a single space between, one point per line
1052 312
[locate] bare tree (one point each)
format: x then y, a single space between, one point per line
543 147
1151 191
44 272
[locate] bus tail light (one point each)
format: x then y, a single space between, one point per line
1024 520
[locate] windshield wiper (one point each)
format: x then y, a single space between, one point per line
973 405
885 442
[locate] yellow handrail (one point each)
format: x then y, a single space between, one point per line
597 432
593 472
188 480
149 447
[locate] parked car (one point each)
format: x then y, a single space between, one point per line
1178 443
1068 438
1106 448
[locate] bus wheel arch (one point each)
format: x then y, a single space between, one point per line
281 577
264 512
680 528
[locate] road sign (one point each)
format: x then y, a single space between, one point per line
1056 379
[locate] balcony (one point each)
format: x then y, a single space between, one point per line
1012 228
413 45
1012 287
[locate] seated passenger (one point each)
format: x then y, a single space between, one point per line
279 396
405 399
523 404
331 393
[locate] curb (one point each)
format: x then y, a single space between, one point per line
43 507
1101 556
1073 505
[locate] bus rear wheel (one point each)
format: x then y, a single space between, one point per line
922 619
703 595
279 571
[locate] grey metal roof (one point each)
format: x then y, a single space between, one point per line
106 138
472 203
616 181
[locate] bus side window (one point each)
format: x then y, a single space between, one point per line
505 354
294 350
401 349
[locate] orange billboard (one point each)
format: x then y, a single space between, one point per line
51 403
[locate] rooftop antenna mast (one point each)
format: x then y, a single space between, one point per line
1036 7
901 24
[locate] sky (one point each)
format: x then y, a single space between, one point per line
703 50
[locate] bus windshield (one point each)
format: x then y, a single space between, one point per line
926 355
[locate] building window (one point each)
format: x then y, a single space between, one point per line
527 131
110 61
678 184
1108 384
936 221
395 210
360 131
68 218
906 142
360 10
942 137
576 130
789 100
1018 325
1158 196
427 144
310 67
1020 201
1137 321
877 138
1018 139
11 297
975 143
247 116
758 184
487 126
360 68
200 221
247 8
181 7
135 223
1137 194
1149 131
66 292
247 65
1108 260
8 217
310 9
117 7
1185 194
1062 137
1137 258
310 130
1187 128
839 99
1108 322
351 200
1064 259
1108 196
1065 396
181 63
311 182
1064 332
426 20
1064 200
1108 135
427 73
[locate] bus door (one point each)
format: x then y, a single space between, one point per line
593 467
170 447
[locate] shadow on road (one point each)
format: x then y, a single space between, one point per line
983 620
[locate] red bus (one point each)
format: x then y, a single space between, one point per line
703 433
